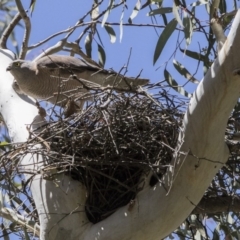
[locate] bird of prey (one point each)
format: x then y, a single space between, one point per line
55 77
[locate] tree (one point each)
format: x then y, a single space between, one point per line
200 155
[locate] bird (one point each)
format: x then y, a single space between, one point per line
56 77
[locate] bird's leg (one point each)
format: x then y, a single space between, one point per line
71 108
41 110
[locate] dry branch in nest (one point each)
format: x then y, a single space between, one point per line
111 145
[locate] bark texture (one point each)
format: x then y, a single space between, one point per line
157 211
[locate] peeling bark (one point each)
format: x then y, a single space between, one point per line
159 210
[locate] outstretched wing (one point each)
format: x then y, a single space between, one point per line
65 64
62 67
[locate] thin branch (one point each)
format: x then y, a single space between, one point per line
56 48
214 7
94 7
89 23
8 30
19 219
100 15
27 32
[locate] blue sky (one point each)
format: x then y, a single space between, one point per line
52 16
55 15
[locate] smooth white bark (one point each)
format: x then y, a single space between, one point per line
60 203
157 211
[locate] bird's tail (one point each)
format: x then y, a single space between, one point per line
119 81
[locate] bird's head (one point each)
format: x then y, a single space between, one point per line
16 65
20 69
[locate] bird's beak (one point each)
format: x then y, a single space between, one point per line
9 68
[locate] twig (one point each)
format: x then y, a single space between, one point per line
19 219
27 32
8 30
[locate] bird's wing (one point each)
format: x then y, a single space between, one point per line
65 64
60 66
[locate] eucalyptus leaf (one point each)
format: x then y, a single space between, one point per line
26 233
121 25
5 234
32 5
88 45
12 227
166 33
105 17
111 33
101 56
176 14
160 11
184 72
188 28
174 85
200 2
135 11
216 234
222 6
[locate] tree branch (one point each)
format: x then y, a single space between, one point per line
8 30
19 219
217 205
27 32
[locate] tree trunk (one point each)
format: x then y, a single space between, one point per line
157 211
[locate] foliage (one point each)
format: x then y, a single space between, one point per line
180 24
8 10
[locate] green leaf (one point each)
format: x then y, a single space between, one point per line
188 28
4 144
230 220
227 230
199 57
235 5
88 45
165 19
121 25
166 33
32 6
236 234
105 17
5 233
111 33
196 55
197 3
207 7
95 11
160 11
222 6
26 234
135 11
174 85
184 72
1 200
99 37
216 235
12 227
176 14
101 56
226 20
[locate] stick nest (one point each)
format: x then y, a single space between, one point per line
112 145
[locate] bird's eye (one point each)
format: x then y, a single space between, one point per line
17 64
